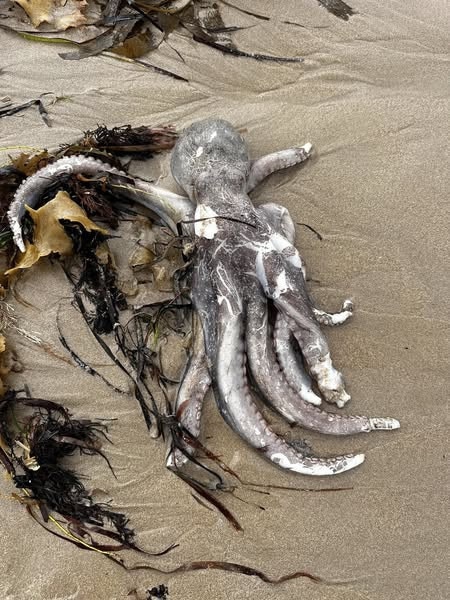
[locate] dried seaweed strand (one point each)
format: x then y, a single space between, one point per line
231 567
338 8
80 363
242 53
12 110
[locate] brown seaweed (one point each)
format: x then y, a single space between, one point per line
338 8
9 110
142 142
82 364
37 436
108 39
230 567
133 28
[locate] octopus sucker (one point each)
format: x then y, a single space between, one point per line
244 265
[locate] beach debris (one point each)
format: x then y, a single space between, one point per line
49 234
91 269
338 8
140 142
10 179
94 280
12 109
36 435
160 592
129 29
4 368
62 14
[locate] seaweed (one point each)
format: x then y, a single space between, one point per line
132 28
38 435
142 142
96 280
338 8
10 109
82 364
10 179
316 233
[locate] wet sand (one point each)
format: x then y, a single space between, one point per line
373 98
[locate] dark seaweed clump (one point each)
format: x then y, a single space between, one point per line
159 592
142 142
38 435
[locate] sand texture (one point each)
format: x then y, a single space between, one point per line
373 98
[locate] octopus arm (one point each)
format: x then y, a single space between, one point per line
195 384
288 359
168 206
274 386
283 159
242 414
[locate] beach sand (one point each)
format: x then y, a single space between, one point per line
373 98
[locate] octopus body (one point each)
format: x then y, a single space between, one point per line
253 315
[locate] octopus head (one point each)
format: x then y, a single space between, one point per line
211 150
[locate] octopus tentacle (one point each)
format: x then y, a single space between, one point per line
337 318
297 377
279 284
195 383
266 165
33 187
170 207
315 350
285 286
281 220
241 413
274 386
293 371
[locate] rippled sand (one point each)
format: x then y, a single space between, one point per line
373 98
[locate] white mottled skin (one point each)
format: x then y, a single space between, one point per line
205 224
338 318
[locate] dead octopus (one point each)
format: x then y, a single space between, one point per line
245 268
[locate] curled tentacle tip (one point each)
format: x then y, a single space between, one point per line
316 401
311 397
339 398
318 467
348 305
351 461
383 423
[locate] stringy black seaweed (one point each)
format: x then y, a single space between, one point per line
51 434
97 281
